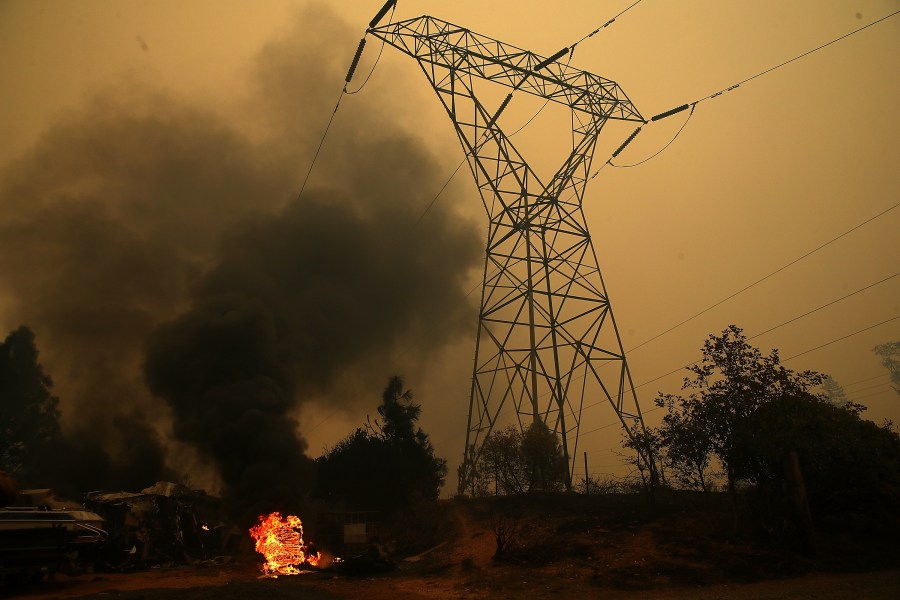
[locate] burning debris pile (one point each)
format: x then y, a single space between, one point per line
280 541
163 524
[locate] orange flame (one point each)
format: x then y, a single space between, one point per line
280 541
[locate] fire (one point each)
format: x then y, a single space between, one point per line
280 541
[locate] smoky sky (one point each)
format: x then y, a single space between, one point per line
185 300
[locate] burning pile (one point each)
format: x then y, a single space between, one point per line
280 541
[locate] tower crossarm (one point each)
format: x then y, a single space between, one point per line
437 44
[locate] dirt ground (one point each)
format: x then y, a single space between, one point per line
562 550
241 582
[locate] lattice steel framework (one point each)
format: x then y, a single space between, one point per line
547 341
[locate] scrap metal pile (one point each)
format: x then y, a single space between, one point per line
164 524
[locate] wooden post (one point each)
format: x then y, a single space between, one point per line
587 478
798 501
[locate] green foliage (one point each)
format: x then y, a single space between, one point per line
387 466
28 410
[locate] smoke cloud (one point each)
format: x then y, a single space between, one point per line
183 302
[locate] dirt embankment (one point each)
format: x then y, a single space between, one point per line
566 547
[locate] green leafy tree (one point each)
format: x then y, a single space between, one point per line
387 465
28 410
890 358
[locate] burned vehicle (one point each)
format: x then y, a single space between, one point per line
41 536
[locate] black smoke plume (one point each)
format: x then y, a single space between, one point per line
153 243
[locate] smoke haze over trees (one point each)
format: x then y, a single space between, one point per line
186 303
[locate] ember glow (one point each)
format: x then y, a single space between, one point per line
280 541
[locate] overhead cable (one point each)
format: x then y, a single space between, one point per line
681 368
692 105
607 24
806 314
608 425
798 57
389 5
761 279
841 338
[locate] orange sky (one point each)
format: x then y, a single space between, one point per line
759 177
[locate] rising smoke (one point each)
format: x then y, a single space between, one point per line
182 299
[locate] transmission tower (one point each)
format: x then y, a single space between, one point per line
547 341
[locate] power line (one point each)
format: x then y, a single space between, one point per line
681 368
608 425
798 57
693 105
841 338
438 195
806 314
875 393
607 24
349 76
864 380
869 387
760 280
321 142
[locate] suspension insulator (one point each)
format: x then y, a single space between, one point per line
387 6
503 105
553 58
669 113
359 51
626 142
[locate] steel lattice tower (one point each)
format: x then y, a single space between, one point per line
547 341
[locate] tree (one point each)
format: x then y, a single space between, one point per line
729 384
29 411
834 392
755 417
543 457
501 463
646 443
846 461
513 462
733 379
386 465
890 358
685 441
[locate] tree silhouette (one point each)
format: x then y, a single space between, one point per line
28 410
387 465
